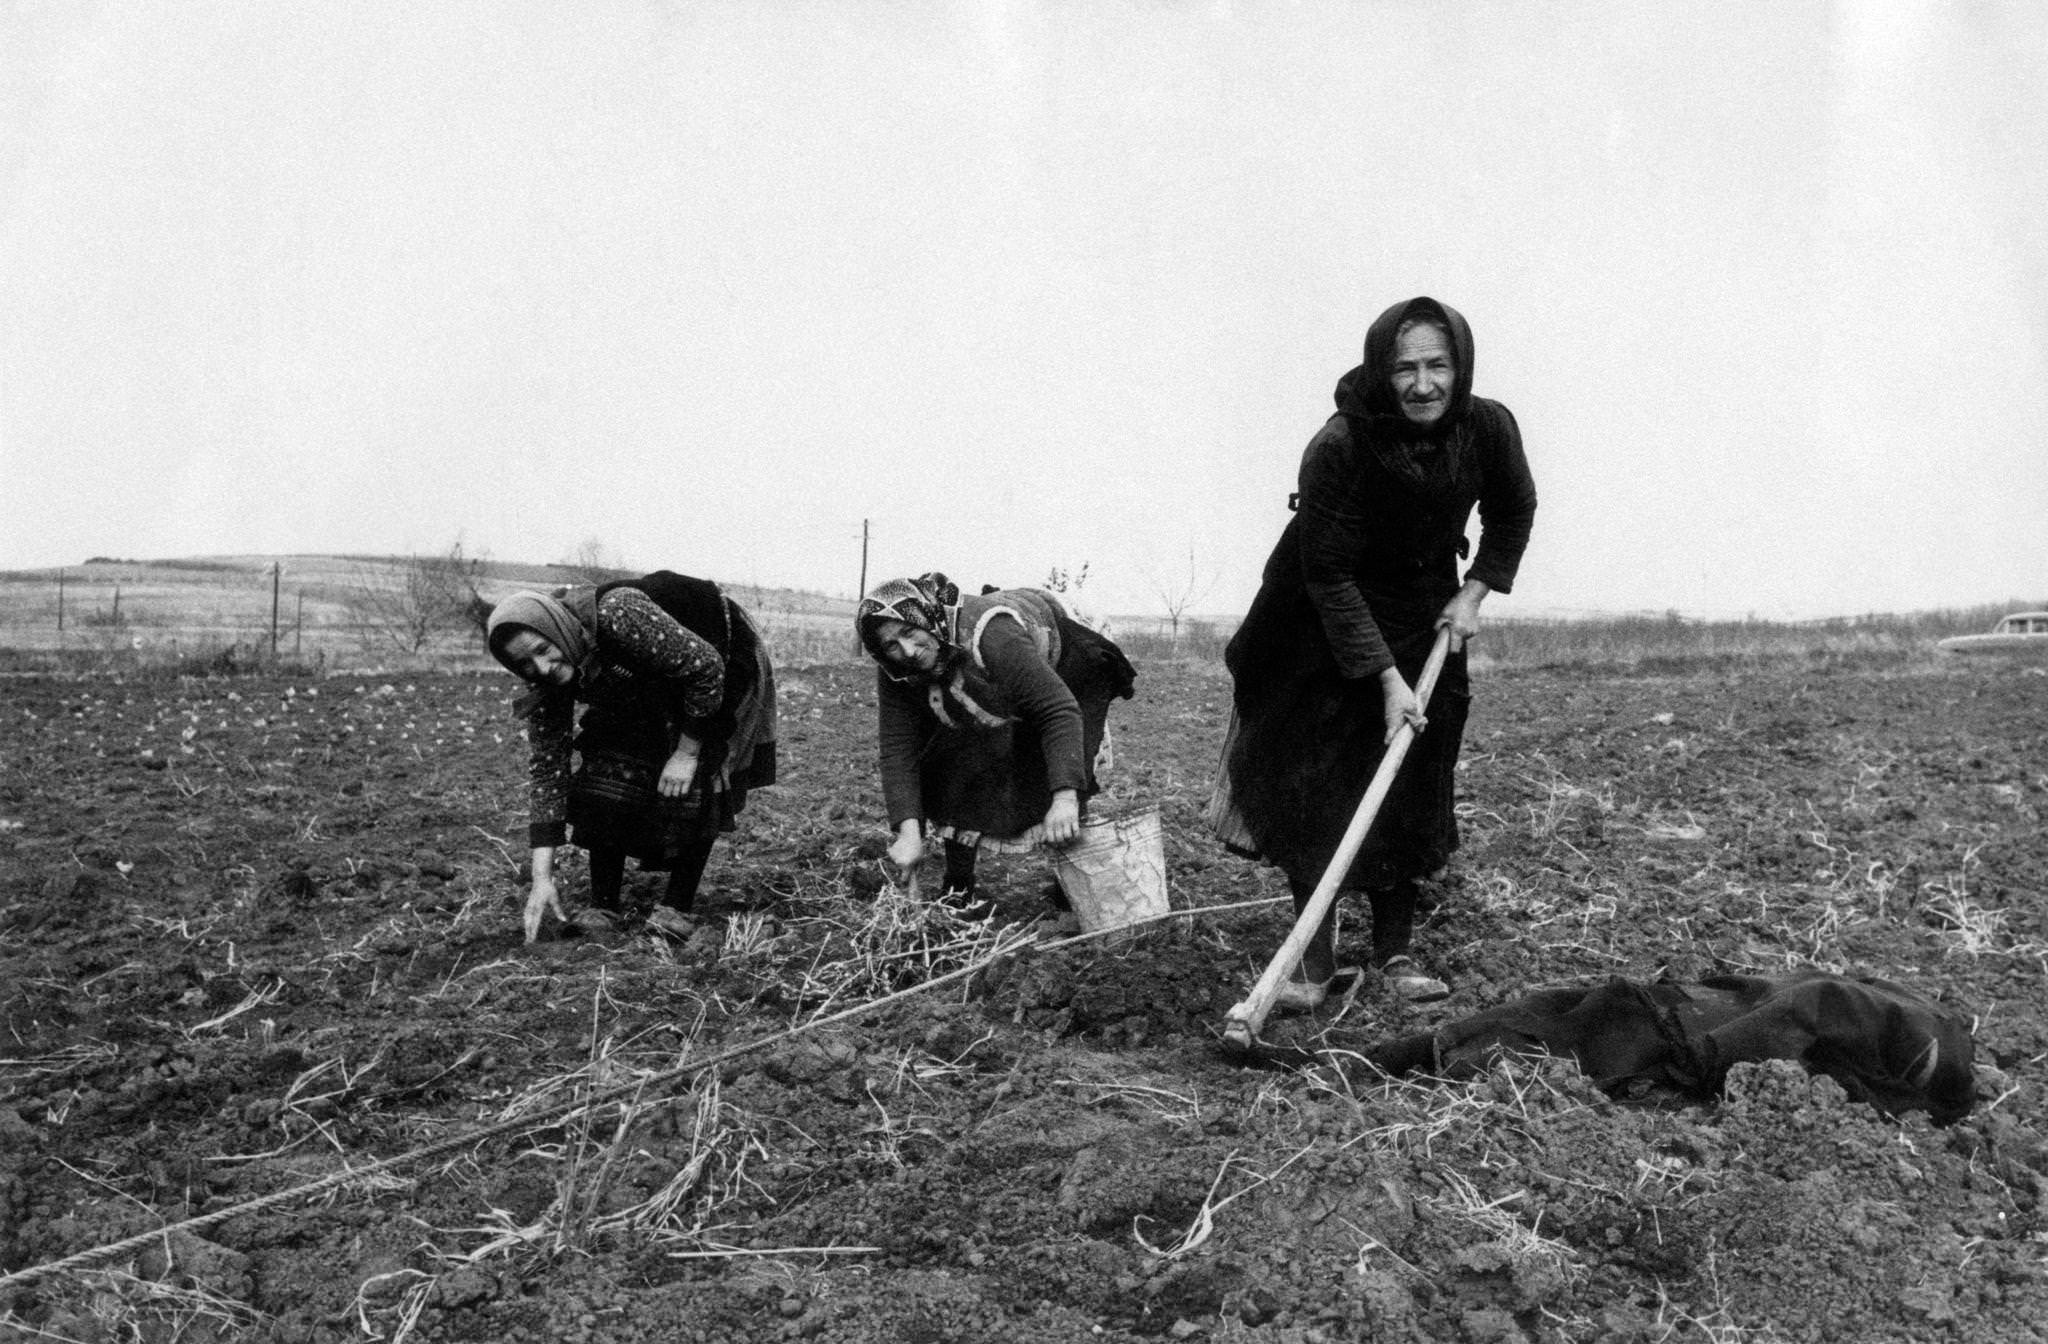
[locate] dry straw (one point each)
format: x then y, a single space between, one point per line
633 1093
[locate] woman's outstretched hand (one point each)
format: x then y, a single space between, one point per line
1063 818
539 901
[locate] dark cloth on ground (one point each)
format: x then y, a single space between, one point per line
1885 1044
1020 716
1355 585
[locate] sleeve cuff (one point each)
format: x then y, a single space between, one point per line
1492 578
1367 669
547 834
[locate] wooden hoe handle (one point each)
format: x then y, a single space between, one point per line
1242 1026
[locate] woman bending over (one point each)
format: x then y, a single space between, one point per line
677 724
992 711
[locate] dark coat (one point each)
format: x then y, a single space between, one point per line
1354 586
1885 1044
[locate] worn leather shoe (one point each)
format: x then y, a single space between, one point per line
1405 979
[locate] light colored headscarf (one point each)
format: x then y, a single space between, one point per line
567 619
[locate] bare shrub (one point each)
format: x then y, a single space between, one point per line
427 595
1180 590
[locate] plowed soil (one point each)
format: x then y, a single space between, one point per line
258 931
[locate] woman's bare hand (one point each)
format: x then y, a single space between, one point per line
677 775
1461 614
1400 706
1063 818
907 849
539 901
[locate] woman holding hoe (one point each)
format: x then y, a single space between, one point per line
678 724
1350 601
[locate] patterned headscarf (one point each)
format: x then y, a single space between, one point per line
920 602
931 603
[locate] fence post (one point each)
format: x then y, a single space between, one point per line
60 603
275 569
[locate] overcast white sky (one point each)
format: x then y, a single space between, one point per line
1766 283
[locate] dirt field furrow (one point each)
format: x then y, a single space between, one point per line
256 930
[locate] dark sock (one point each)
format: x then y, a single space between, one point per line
959 868
1393 921
685 876
607 877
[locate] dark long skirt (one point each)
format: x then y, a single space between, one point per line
991 781
1303 746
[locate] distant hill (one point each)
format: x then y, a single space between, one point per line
349 571
361 611
336 608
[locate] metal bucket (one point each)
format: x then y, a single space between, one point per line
1115 873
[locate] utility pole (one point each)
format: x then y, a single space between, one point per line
275 570
861 591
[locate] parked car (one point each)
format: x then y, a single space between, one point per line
2023 632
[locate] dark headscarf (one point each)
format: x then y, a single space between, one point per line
1367 392
1366 397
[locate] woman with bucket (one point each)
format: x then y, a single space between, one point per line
678 724
1350 601
992 709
